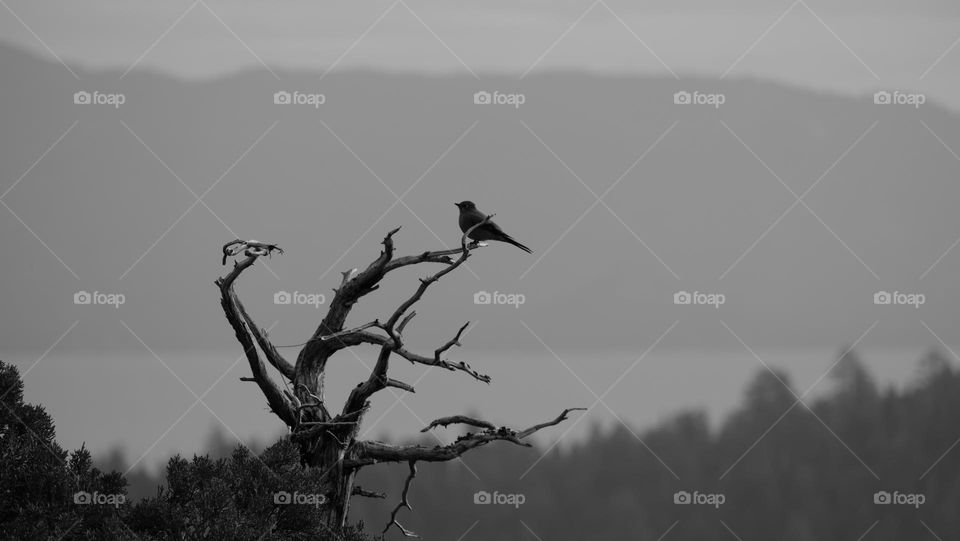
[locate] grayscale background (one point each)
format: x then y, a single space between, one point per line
815 167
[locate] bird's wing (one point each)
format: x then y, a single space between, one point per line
492 226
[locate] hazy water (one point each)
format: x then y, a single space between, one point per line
137 401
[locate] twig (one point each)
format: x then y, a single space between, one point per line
459 419
374 323
404 502
560 418
358 491
405 320
455 341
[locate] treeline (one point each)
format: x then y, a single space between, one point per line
784 472
775 469
48 493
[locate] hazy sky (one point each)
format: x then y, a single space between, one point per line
856 47
104 199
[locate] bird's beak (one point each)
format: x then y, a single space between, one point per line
456 205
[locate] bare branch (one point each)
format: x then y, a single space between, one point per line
269 351
373 452
560 418
455 341
400 385
357 400
226 283
378 379
353 287
459 419
359 491
404 502
373 338
312 359
426 282
405 320
242 327
339 334
438 256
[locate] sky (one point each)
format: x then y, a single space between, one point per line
798 199
853 47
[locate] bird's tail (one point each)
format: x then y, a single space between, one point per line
513 241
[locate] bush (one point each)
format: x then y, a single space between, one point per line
233 498
48 493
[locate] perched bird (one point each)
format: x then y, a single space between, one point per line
252 247
470 216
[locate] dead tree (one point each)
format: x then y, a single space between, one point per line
328 439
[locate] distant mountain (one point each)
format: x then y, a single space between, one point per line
699 200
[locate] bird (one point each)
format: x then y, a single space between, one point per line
470 216
252 247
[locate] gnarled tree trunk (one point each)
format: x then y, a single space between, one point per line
329 441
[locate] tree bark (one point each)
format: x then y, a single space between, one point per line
329 441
